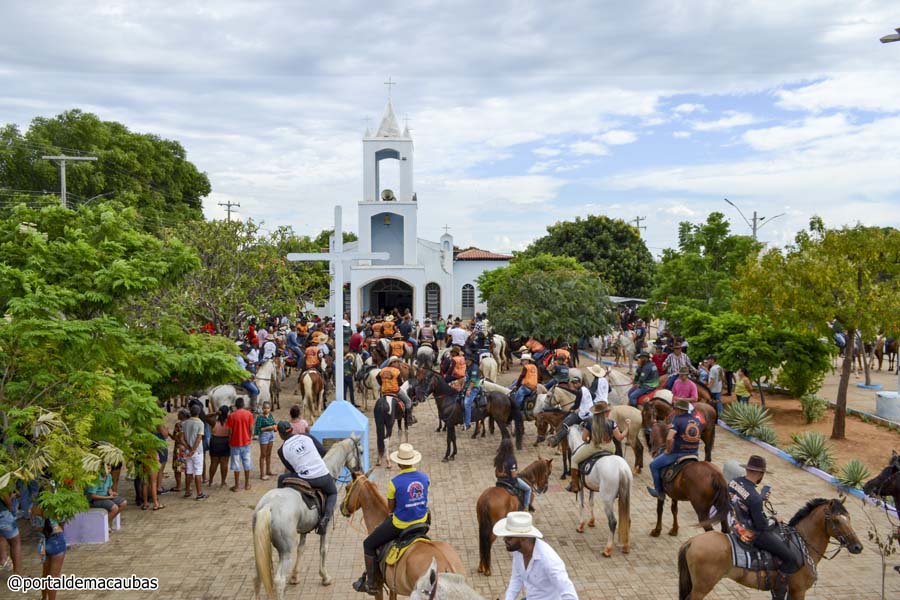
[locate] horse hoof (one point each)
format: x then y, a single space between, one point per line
325 582
480 569
487 572
580 528
607 552
294 580
592 523
445 459
626 549
654 533
673 532
637 470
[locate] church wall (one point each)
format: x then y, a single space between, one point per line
467 271
387 234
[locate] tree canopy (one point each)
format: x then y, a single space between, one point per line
610 247
137 169
850 274
548 297
701 272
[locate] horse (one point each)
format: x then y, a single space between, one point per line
370 386
701 483
400 579
446 586
312 391
450 411
425 356
625 350
619 384
886 483
499 348
611 477
658 409
266 377
387 411
224 395
489 368
706 558
275 392
496 502
281 514
498 408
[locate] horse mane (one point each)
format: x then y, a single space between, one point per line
537 467
813 504
442 385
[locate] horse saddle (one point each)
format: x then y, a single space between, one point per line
480 400
672 472
364 372
588 464
512 488
747 556
313 497
391 553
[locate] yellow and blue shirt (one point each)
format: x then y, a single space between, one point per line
409 491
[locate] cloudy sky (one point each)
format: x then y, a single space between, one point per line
523 114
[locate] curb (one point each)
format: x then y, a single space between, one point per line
826 477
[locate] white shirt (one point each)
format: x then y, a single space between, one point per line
584 406
544 579
716 375
459 336
301 454
324 350
602 394
269 350
253 356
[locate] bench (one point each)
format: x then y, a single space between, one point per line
89 527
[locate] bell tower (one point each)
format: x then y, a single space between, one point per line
387 143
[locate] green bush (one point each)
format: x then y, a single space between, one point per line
766 434
854 474
748 419
811 449
814 408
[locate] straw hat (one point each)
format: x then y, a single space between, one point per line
596 370
663 394
600 408
684 371
394 359
389 318
407 455
683 404
517 524
397 336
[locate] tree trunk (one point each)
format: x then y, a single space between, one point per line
762 396
840 410
867 357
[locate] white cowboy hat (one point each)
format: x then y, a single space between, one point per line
389 318
597 370
407 455
527 357
517 524
663 395
393 359
523 349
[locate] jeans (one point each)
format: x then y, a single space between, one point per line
296 351
717 398
240 457
729 382
251 389
467 405
671 381
659 464
744 399
636 393
348 389
8 527
526 490
28 493
772 543
520 396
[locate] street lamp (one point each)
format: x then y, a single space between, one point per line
757 223
892 37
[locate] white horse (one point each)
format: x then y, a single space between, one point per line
425 357
610 477
442 586
619 384
225 395
500 345
281 515
370 387
488 367
265 374
625 349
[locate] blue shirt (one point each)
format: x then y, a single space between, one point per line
687 434
101 486
409 490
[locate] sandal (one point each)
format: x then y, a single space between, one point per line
201 497
175 489
188 495
233 488
145 506
159 507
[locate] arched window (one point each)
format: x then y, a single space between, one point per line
468 301
433 299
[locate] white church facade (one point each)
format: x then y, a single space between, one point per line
424 276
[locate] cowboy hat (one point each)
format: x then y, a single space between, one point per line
684 371
517 524
526 356
664 395
682 404
644 355
397 336
600 408
394 358
596 370
523 349
756 463
389 318
406 455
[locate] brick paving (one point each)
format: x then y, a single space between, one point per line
203 550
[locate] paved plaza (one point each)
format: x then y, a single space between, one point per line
203 550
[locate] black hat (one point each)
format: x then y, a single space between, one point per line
643 355
756 463
284 427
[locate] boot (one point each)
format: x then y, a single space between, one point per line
558 436
575 484
780 586
322 527
366 582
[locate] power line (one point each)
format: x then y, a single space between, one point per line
228 206
637 224
63 159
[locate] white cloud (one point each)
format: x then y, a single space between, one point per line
588 148
681 134
867 90
784 137
730 120
688 108
617 137
547 151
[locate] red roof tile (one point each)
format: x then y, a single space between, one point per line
477 254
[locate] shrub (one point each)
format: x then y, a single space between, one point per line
814 408
811 449
748 419
854 474
766 434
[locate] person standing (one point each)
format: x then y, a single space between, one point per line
219 452
264 429
9 531
683 440
440 332
716 381
192 430
298 423
536 567
743 387
53 549
240 422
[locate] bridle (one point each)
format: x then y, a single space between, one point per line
831 533
345 503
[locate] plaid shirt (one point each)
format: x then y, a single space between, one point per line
674 362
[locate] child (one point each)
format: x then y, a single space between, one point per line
265 429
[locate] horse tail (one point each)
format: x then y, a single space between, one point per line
685 585
485 529
262 548
625 479
721 502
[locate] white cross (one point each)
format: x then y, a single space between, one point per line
336 258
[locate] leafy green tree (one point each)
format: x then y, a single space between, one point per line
610 247
851 274
700 273
548 297
138 169
80 379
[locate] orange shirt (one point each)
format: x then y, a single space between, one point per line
303 329
459 367
377 329
387 328
397 348
531 376
312 357
390 380
534 346
562 355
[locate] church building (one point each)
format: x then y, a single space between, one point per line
421 275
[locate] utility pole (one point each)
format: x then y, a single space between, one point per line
757 222
228 206
62 158
637 224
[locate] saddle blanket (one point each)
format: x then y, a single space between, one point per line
746 556
396 552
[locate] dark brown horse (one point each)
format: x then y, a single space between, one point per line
660 410
701 483
450 409
496 502
887 483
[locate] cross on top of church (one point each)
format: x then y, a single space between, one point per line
446 229
390 83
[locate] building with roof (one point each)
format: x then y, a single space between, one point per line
423 276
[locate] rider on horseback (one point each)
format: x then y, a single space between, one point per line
527 382
457 370
407 504
472 387
313 358
683 440
302 455
505 468
646 379
749 520
603 439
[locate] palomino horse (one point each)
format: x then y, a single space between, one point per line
611 477
442 586
496 502
500 351
450 412
312 392
705 559
281 514
619 384
399 579
701 483
658 409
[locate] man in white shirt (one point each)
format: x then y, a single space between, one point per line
600 387
536 567
581 409
301 454
716 379
458 335
269 350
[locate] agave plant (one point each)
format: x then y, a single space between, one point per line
813 407
766 434
854 474
811 448
749 419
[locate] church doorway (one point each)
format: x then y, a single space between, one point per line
390 294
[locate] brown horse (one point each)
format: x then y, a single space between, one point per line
450 411
496 502
706 558
701 483
660 410
400 578
498 409
312 392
